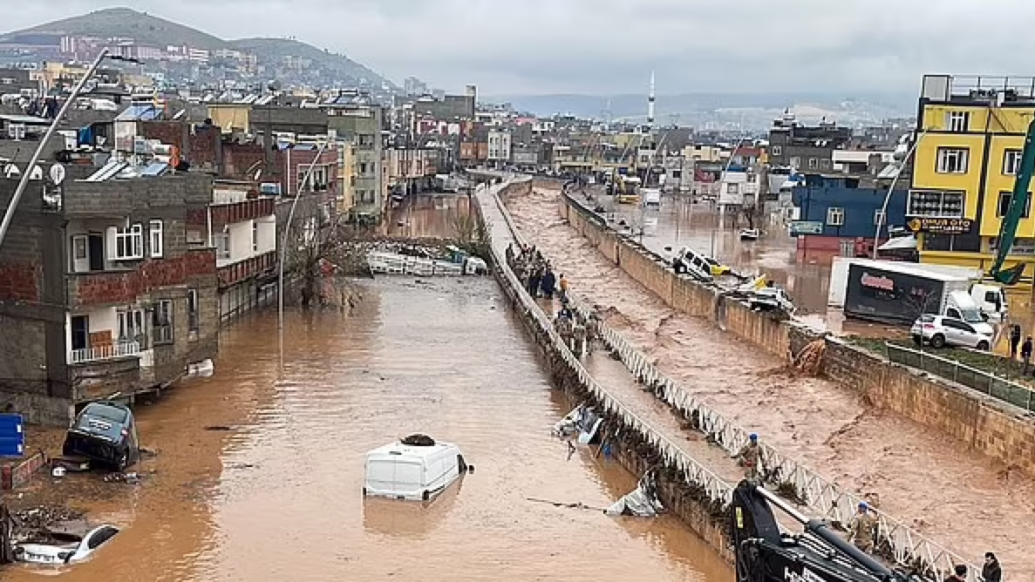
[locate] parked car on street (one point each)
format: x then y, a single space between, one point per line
106 434
940 331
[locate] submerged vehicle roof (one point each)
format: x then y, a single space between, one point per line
398 449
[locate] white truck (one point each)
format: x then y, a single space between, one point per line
990 300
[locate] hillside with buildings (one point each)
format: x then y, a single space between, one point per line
179 54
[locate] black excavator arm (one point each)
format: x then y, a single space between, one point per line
818 554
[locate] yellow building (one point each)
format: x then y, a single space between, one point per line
347 175
971 131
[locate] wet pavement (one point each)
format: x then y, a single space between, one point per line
959 498
279 495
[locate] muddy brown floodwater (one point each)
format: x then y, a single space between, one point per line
279 496
959 498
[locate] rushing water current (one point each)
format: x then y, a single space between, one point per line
278 496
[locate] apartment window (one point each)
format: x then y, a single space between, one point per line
223 245
733 188
958 121
312 181
777 150
156 239
1021 246
813 163
952 160
878 217
162 322
1011 162
193 314
362 168
126 244
255 236
366 140
836 216
796 162
131 326
824 164
752 178
935 203
1004 205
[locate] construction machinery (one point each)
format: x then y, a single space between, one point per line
1019 201
819 554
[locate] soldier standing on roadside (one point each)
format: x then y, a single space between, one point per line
749 456
863 528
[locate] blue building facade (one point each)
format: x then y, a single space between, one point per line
846 210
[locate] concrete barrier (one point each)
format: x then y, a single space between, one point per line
983 423
688 489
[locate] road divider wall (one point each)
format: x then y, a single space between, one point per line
793 481
689 490
984 423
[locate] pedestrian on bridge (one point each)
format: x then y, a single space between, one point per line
549 282
959 576
862 529
749 456
563 282
592 331
1026 354
992 571
578 338
1015 340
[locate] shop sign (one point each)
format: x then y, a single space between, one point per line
941 225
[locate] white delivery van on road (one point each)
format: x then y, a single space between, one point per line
414 469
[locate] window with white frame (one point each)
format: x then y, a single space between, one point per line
935 203
162 321
126 244
835 216
813 163
1004 205
1011 162
952 160
777 150
957 121
312 181
156 240
222 241
131 326
878 217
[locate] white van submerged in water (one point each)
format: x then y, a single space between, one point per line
414 469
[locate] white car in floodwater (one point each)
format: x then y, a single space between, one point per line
65 553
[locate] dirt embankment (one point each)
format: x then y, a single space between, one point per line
959 498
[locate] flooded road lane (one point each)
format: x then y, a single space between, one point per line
279 497
959 498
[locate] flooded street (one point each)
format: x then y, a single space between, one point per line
279 495
959 498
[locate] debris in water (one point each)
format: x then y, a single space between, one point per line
809 360
219 427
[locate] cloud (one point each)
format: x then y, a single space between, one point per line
610 46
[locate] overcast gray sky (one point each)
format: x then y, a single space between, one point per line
610 46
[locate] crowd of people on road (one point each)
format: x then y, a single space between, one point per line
579 332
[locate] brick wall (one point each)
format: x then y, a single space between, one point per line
126 197
239 158
111 287
984 424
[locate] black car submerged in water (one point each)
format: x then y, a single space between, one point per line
106 434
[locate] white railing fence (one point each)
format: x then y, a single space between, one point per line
108 352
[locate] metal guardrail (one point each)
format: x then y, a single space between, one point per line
984 382
820 496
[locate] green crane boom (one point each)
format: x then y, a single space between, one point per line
1019 201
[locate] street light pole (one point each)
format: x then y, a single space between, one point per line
287 231
27 174
891 189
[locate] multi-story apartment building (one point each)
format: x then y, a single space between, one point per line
360 125
971 132
106 288
805 148
499 147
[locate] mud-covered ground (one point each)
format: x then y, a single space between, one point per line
959 498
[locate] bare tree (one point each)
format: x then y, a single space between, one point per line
319 254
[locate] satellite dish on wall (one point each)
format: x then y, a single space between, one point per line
57 173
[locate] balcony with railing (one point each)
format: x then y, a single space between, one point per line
103 353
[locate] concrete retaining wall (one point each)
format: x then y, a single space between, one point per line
702 510
983 423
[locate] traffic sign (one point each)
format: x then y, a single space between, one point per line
12 435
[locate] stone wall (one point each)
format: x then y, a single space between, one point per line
983 423
706 517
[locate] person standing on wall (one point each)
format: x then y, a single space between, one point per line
1015 340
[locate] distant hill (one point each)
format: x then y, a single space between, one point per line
158 32
126 22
